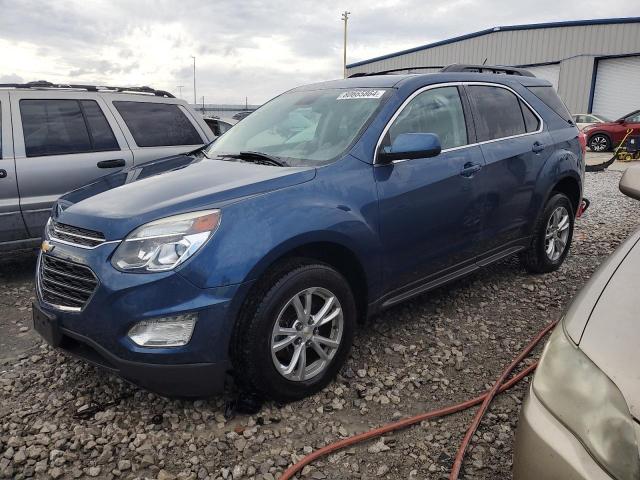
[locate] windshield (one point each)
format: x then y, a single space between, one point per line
303 128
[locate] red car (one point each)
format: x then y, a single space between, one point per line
602 137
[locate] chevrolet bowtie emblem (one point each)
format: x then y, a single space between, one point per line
46 247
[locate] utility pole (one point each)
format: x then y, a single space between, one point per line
345 18
180 87
195 102
203 105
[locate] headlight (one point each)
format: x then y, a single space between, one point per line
589 404
166 243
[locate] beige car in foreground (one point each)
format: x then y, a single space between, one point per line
581 419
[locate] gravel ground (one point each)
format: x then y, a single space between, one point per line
60 418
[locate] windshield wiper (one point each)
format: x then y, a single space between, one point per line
258 157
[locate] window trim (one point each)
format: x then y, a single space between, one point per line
455 84
84 119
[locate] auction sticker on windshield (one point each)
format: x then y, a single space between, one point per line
356 94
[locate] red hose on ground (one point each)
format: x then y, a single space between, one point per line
484 399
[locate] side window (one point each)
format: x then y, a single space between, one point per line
633 118
531 122
498 111
59 127
53 127
157 124
439 111
549 96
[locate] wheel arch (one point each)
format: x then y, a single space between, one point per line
332 252
571 187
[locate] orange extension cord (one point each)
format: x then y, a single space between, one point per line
484 399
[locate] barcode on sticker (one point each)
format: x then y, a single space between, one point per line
355 94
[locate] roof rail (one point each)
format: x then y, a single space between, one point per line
394 70
461 67
44 85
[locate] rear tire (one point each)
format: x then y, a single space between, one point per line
275 332
552 236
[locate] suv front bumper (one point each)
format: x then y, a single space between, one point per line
98 333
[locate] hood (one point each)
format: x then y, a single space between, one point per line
118 203
611 337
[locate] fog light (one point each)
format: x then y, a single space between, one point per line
173 331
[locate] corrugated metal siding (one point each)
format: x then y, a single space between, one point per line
574 46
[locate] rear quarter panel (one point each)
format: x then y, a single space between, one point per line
564 161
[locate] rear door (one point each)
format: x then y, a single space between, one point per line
515 146
12 226
155 128
61 142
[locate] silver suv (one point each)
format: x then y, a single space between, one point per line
56 138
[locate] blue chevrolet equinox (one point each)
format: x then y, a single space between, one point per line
256 255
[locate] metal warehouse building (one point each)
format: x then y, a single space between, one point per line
594 64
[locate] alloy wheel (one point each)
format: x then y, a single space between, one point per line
557 233
599 143
307 334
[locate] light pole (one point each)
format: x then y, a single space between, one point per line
195 101
345 18
179 87
203 105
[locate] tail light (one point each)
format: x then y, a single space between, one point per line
582 138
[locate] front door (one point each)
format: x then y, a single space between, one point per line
429 216
61 143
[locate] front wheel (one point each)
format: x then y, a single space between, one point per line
552 236
296 333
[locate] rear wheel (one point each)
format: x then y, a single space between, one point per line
552 236
599 143
296 333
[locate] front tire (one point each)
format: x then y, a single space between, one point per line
295 333
599 143
552 236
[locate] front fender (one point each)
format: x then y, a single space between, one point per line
339 206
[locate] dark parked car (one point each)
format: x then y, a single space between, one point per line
604 136
258 254
240 115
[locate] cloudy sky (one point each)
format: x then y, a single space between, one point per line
243 48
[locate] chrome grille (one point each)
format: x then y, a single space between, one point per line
65 284
75 235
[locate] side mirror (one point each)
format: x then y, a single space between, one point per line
408 146
630 182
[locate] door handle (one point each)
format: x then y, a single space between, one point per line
537 147
470 169
111 163
3 173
